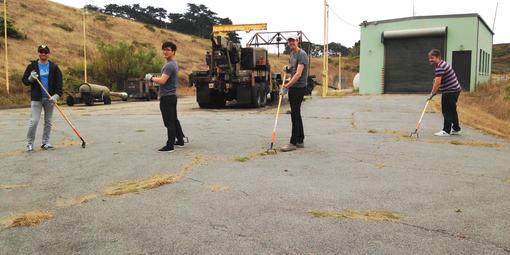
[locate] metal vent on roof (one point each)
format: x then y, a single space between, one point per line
410 33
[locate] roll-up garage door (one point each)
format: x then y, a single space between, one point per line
406 67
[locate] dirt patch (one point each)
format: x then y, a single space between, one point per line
475 144
507 180
13 186
354 122
252 156
26 219
354 215
372 131
217 188
69 202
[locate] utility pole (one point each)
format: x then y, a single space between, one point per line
6 52
413 9
85 44
495 14
325 62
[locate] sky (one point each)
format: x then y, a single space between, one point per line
307 16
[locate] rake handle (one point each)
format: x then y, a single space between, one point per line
60 110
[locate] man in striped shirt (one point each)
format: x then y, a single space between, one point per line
446 82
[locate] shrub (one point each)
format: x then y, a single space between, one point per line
117 62
63 26
12 32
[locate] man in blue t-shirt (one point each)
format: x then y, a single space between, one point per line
51 77
168 98
446 82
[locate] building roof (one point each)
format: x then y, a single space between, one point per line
365 23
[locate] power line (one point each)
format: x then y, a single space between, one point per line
341 19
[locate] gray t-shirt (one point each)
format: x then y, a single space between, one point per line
295 60
170 87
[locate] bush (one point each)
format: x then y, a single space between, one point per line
12 32
63 26
121 61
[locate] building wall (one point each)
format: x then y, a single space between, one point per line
483 67
462 35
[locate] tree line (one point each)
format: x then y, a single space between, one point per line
198 20
316 50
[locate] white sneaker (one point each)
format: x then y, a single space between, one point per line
30 148
456 132
441 133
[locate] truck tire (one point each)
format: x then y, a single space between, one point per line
256 100
107 100
219 99
70 100
263 98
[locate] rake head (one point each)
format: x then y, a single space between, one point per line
83 143
271 150
415 133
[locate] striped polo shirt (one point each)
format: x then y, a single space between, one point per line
449 82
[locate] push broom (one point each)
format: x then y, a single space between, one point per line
83 144
272 150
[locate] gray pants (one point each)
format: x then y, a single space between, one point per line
37 107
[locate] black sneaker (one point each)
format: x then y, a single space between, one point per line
47 147
166 148
179 144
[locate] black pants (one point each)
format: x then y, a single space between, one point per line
449 109
168 107
295 99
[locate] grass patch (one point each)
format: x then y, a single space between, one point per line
26 219
14 186
217 188
69 202
63 26
140 130
372 131
252 156
353 215
153 182
474 144
126 187
507 180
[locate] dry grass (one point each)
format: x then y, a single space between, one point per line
153 182
372 131
126 187
69 202
217 188
253 156
353 215
26 219
507 180
14 186
474 144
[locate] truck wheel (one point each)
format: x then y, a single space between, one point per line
257 99
219 100
263 99
107 100
70 100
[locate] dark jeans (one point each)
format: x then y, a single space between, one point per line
295 99
449 109
168 107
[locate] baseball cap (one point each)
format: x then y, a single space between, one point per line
292 37
43 47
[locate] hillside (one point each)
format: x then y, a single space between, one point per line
60 27
501 58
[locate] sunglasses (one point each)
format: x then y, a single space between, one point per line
45 52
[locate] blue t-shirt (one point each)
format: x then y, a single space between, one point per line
44 73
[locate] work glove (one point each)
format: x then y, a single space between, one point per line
148 77
54 98
33 76
284 91
286 69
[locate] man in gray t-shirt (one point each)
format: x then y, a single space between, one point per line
170 87
168 98
298 67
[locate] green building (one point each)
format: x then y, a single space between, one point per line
393 57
